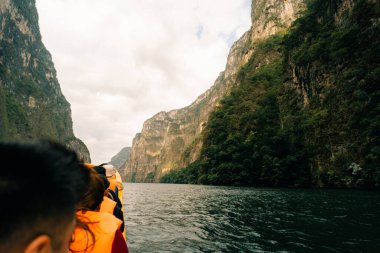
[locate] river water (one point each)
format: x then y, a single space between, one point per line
193 218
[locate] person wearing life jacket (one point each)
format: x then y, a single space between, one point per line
40 186
110 198
110 206
96 232
111 176
102 171
109 193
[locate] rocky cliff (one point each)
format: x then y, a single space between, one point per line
332 60
32 105
120 158
309 116
172 140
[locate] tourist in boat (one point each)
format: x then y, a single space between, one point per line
111 192
111 176
96 232
40 185
110 197
110 206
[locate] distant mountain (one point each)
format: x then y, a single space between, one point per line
32 105
119 159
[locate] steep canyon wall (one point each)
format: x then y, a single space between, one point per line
172 140
32 105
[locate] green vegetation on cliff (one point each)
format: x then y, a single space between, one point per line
310 116
32 105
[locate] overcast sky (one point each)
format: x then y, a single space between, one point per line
119 62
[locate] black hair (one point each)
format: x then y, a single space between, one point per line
93 196
105 181
40 186
100 170
102 173
90 201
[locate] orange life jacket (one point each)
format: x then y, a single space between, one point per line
102 225
112 183
107 205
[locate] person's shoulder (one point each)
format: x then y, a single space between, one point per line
107 205
108 222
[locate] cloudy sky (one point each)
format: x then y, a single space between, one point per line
120 62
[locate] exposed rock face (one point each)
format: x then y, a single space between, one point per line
307 80
172 140
335 89
32 105
272 16
120 158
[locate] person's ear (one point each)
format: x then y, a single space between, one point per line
41 244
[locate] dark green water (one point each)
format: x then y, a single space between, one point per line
188 218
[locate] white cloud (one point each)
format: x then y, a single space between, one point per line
119 62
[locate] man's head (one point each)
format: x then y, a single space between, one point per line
40 186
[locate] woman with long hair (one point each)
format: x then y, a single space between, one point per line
96 232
